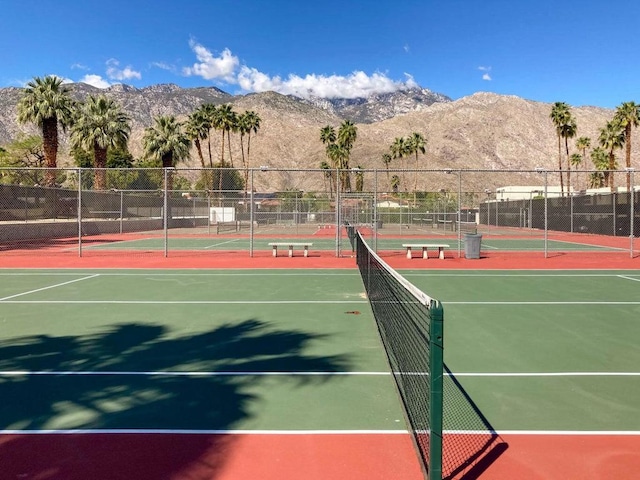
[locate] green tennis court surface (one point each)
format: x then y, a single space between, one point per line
328 243
297 350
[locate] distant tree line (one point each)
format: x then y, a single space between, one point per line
99 135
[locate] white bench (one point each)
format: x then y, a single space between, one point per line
291 246
425 247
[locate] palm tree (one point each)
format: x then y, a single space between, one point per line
386 159
347 134
359 179
248 122
46 102
208 112
100 124
399 150
576 160
559 114
612 138
328 175
224 120
197 129
166 141
327 135
600 160
582 144
416 144
628 114
568 130
395 183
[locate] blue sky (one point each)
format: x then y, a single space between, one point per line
576 51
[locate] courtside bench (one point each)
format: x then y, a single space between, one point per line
291 246
425 247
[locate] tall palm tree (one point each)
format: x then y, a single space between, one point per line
253 122
559 115
224 120
328 135
568 130
208 112
197 129
248 122
347 134
386 160
47 103
628 114
398 151
416 144
582 144
600 160
576 160
100 124
611 138
359 179
167 142
327 175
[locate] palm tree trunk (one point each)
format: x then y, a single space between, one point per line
627 141
50 146
566 144
560 165
100 174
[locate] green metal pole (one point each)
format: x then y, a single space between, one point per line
436 412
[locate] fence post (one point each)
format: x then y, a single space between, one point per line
632 201
251 213
79 213
546 215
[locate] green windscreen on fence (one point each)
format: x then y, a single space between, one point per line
410 324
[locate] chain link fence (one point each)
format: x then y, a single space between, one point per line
209 211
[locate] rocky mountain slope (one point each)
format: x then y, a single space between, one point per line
483 131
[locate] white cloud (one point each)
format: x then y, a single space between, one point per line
227 68
79 66
211 67
164 66
486 75
95 81
358 84
114 72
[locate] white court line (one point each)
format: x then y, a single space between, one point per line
164 431
245 273
629 278
546 374
172 373
49 287
223 243
543 303
160 373
189 302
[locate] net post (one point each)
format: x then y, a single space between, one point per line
436 354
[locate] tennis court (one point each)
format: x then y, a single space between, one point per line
279 372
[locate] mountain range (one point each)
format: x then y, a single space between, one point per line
483 131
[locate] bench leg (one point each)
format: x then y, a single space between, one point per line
409 252
441 253
275 251
425 253
306 251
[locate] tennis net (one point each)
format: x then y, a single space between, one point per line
410 324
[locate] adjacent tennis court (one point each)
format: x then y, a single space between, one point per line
280 373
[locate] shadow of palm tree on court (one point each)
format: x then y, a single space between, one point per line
138 377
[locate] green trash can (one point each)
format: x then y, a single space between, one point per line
472 243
